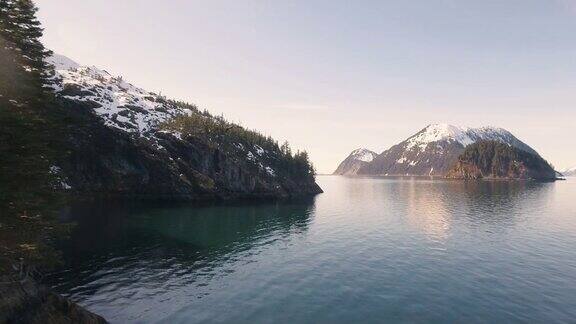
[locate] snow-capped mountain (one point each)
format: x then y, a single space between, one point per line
434 150
355 161
570 172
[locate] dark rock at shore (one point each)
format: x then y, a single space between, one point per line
25 301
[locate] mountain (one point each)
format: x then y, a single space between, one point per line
357 159
497 160
124 141
434 150
570 172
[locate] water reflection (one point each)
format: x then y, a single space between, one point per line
431 206
404 250
132 252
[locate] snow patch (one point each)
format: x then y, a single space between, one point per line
56 170
176 134
363 154
270 171
259 150
62 62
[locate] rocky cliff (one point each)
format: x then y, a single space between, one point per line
121 143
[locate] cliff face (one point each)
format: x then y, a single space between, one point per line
104 161
122 141
495 160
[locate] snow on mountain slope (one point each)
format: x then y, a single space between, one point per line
439 132
355 161
435 149
120 104
463 135
363 154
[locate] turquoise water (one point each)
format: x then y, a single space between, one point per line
367 250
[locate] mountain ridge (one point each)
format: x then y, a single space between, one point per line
433 150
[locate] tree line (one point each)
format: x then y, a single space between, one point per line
493 157
219 132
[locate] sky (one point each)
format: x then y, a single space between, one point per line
333 76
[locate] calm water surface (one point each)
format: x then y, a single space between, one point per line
367 250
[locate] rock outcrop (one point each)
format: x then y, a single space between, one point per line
25 301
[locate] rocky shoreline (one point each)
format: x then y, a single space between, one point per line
27 301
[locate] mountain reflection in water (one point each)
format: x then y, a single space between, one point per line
367 250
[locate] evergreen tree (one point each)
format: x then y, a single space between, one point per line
21 32
285 149
28 131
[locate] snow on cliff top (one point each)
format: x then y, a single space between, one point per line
462 135
120 104
363 154
62 62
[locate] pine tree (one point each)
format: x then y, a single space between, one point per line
21 32
29 125
285 149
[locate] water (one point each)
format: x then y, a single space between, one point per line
367 250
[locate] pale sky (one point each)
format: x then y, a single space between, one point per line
332 76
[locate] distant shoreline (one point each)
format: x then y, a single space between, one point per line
438 178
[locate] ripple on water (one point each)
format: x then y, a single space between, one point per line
367 250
